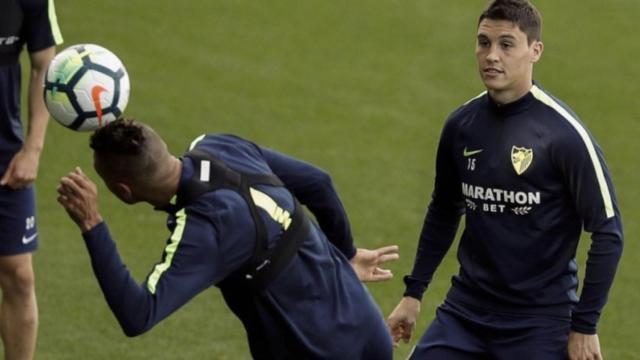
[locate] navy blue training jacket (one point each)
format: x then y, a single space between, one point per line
316 309
528 177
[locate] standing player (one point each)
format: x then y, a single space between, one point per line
528 177
32 22
235 223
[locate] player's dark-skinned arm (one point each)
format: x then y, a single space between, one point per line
442 218
314 188
593 193
185 270
191 261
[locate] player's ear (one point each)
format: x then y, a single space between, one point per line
123 192
536 50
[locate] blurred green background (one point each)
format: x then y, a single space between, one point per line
360 88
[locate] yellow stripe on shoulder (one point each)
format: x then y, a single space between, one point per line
264 201
196 141
477 97
597 166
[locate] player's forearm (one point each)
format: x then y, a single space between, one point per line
314 188
38 114
442 219
37 128
326 206
128 301
437 235
602 263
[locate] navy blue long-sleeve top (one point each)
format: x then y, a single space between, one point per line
529 178
316 308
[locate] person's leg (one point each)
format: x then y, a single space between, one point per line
18 310
450 337
532 339
18 239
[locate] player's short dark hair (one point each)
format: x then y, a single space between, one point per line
126 148
519 12
120 137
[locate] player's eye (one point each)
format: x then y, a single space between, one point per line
483 43
507 45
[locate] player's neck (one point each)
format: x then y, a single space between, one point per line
166 187
507 96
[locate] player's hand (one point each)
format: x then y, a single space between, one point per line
22 170
583 346
402 320
366 263
79 196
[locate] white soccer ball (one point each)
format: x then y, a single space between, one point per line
86 87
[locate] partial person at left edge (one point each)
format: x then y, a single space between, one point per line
34 23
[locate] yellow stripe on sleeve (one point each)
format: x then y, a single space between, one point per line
170 250
53 20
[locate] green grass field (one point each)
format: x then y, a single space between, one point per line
360 88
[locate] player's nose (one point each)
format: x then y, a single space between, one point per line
492 57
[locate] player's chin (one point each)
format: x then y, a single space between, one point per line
493 83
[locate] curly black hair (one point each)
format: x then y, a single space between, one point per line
120 137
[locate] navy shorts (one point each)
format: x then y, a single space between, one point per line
18 231
459 333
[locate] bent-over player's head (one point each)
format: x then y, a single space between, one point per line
130 157
508 45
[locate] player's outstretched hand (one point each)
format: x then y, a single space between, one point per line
402 320
79 196
584 346
366 263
